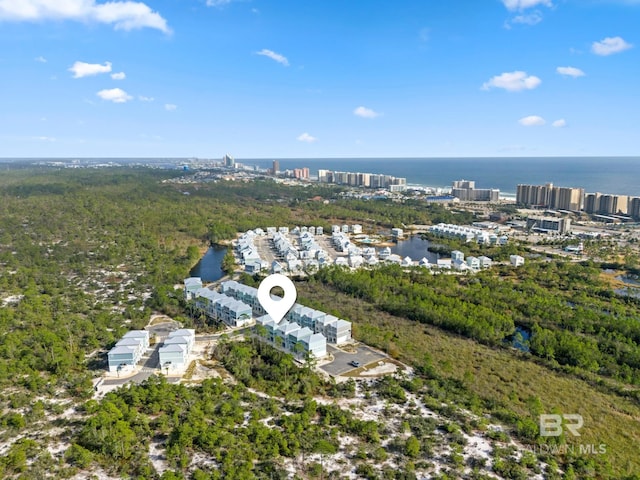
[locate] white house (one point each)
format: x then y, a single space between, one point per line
128 351
473 262
338 332
407 262
516 260
191 285
485 262
457 255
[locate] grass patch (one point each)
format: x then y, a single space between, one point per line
500 376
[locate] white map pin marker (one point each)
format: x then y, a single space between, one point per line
277 309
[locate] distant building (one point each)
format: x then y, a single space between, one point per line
547 196
397 233
634 207
229 161
358 179
275 169
561 226
613 204
592 202
466 191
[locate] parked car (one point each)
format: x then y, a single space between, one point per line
353 363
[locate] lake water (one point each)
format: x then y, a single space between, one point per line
414 247
209 268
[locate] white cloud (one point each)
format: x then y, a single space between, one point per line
118 76
82 69
123 15
570 72
45 139
305 137
532 121
561 123
115 95
170 107
610 45
529 19
40 59
514 5
513 81
365 112
274 56
142 98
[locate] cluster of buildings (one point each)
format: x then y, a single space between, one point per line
173 353
474 264
606 204
124 356
175 350
304 254
217 306
551 197
303 331
465 190
468 234
571 199
368 180
321 328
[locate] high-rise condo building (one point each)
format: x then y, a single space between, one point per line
634 207
465 191
229 161
275 169
614 204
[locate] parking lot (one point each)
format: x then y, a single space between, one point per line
342 360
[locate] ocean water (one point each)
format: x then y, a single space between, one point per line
615 175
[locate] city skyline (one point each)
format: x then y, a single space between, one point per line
257 78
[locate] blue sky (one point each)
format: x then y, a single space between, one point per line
323 78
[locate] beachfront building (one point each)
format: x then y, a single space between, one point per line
466 191
128 351
549 196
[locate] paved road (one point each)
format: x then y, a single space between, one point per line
149 367
340 364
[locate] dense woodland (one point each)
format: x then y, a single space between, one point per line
88 254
